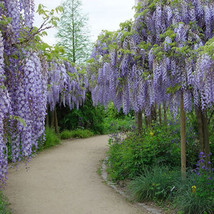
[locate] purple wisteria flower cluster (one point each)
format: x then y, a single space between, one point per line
204 168
67 86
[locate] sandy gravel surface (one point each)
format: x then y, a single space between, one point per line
64 180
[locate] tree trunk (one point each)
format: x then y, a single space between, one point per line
47 119
165 113
203 133
136 118
160 115
200 127
52 119
183 139
73 34
148 121
139 122
154 113
206 139
56 122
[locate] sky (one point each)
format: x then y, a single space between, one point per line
103 15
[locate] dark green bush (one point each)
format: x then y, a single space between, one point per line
86 117
66 134
51 139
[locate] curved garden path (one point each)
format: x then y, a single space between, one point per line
64 180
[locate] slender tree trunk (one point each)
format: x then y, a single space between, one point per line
52 119
200 127
148 120
154 113
203 133
206 139
160 115
139 122
56 122
47 118
165 113
73 35
183 138
136 118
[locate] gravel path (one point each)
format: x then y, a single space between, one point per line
64 180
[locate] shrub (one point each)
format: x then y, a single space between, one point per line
66 134
160 146
86 117
51 139
81 133
78 133
112 125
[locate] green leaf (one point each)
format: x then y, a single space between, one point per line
19 119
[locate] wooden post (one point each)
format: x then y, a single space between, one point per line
183 138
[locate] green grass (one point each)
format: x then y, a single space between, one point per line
78 133
154 184
4 205
202 200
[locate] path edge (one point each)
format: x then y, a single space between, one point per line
104 176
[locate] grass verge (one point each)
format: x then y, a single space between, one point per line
4 205
78 133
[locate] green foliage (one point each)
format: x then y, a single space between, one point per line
154 184
66 134
78 133
51 139
87 117
190 196
115 121
208 48
195 195
159 146
126 25
49 16
112 125
4 205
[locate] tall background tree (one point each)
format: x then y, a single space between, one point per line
73 32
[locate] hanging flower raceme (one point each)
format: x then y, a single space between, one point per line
4 113
66 85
